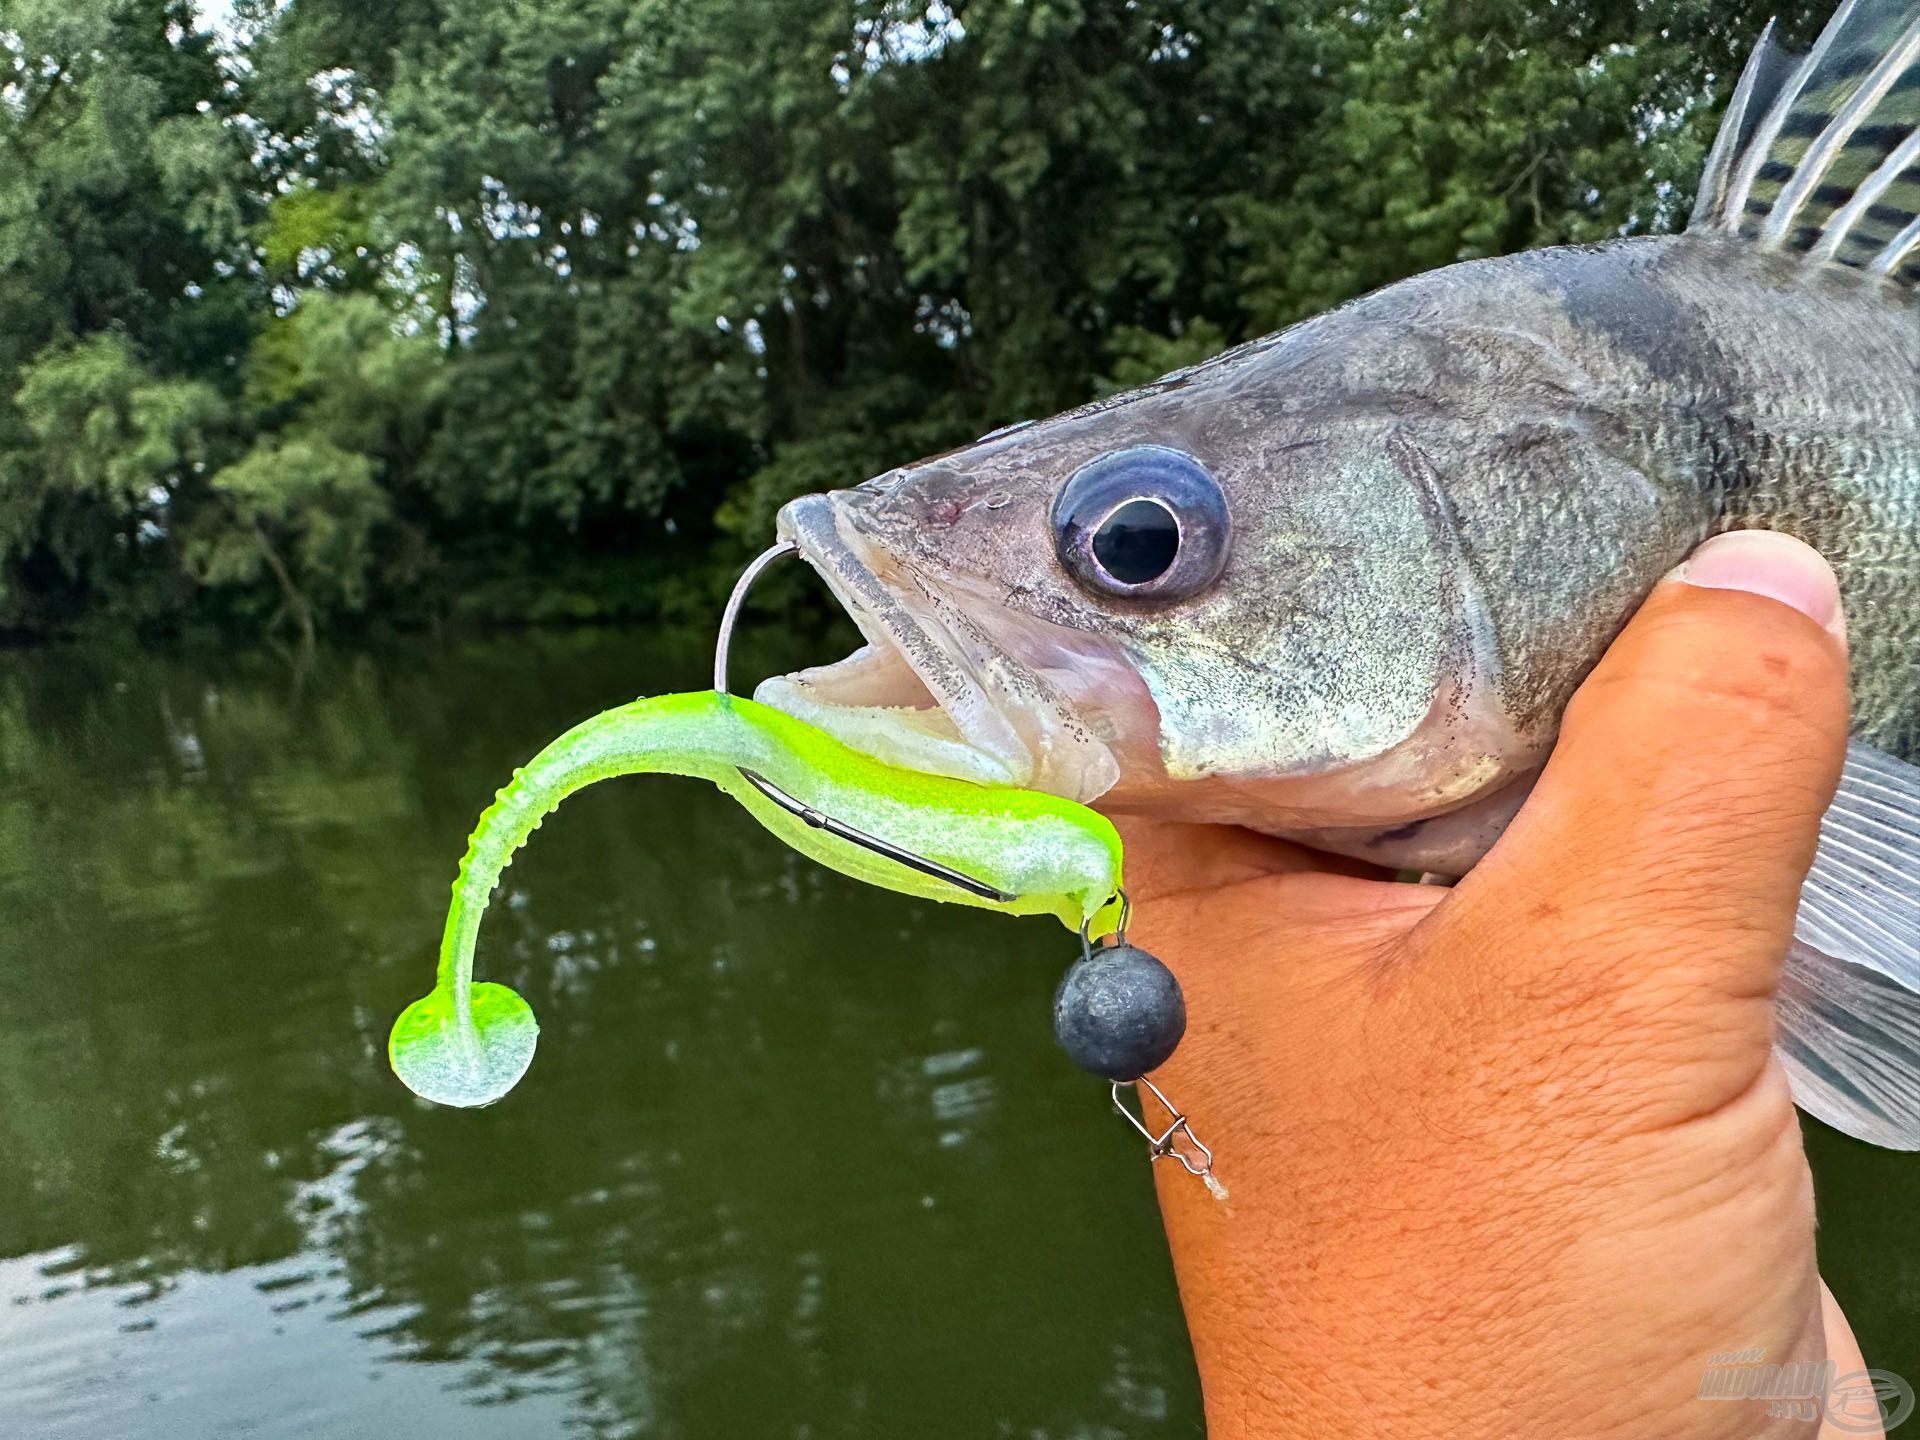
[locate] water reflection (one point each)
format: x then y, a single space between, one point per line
795 1158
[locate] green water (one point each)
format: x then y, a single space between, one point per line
796 1158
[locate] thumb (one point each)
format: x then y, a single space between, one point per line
1680 810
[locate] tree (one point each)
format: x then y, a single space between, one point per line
112 448
300 512
392 308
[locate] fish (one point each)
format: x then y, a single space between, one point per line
1339 583
1021 852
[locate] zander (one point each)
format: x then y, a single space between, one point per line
1339 584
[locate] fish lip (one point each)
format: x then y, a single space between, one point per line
850 564
942 636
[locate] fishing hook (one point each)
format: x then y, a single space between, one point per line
1193 1155
794 806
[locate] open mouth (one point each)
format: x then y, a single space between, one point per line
946 682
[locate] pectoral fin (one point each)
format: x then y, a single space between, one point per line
1849 1006
1850 1040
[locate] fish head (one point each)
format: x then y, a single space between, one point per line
1186 601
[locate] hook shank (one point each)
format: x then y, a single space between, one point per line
819 819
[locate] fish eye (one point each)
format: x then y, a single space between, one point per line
1146 523
1137 543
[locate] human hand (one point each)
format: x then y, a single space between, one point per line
1514 1158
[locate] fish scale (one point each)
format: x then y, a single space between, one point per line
1828 450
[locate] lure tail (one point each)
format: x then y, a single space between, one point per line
465 1043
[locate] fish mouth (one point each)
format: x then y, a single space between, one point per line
949 680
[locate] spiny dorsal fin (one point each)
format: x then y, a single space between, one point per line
1822 154
1759 85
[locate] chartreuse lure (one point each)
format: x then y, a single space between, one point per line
468 1043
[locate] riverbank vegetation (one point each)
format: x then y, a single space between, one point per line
337 312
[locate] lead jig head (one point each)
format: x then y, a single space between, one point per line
1120 1013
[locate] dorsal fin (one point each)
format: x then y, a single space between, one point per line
1759 85
1821 154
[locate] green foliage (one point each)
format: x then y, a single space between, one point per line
309 231
341 365
1466 128
300 513
1140 356
112 446
107 429
356 309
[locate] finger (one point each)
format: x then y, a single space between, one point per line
1165 857
1848 1365
1679 813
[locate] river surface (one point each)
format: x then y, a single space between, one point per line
796 1158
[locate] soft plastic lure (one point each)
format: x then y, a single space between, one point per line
468 1043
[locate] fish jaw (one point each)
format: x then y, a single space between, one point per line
951 683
